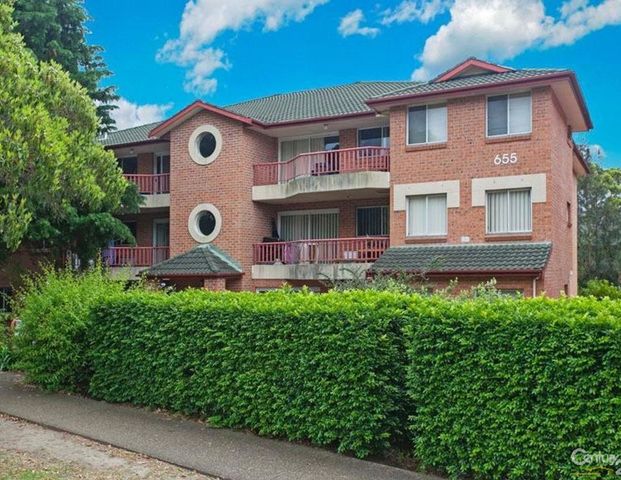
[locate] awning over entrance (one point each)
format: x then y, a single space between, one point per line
201 261
513 257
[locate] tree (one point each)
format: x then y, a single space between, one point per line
58 185
599 215
55 30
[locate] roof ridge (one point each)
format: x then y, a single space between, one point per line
318 89
486 244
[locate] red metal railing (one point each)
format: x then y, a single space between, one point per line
135 256
331 250
150 184
361 159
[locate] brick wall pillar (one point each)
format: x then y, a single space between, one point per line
217 284
348 138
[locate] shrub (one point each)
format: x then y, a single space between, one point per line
327 368
601 289
6 350
509 388
54 309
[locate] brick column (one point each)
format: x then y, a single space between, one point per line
217 284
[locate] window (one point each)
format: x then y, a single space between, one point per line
5 299
308 225
292 148
427 124
129 165
569 215
508 211
205 144
426 215
372 221
509 114
205 223
374 137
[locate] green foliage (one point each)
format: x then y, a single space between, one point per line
56 179
6 350
54 309
599 224
55 30
507 389
327 368
601 289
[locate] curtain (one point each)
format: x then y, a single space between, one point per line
427 215
436 215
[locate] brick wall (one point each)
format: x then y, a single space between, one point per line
469 154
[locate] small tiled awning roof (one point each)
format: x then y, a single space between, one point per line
201 261
514 257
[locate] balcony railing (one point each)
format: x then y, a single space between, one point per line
348 160
331 250
150 184
135 256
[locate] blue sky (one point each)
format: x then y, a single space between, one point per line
225 51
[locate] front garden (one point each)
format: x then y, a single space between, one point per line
489 387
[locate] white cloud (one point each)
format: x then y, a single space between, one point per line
131 114
351 25
410 10
203 20
502 29
597 152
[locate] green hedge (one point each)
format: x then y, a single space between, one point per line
326 368
508 389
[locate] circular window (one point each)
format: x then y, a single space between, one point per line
205 144
204 223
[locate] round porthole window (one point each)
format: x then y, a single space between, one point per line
204 223
205 144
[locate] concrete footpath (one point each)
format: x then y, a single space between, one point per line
223 453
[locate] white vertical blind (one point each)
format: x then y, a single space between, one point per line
427 215
307 226
519 113
436 123
509 211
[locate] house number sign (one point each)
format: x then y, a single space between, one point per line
505 159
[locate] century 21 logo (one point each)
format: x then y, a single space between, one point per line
505 158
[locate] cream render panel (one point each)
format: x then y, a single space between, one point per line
536 182
449 187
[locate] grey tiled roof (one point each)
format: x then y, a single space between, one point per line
128 136
468 81
316 103
202 260
483 257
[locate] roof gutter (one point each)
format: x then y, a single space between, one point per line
193 275
540 80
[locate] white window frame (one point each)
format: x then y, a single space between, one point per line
508 134
408 234
311 212
407 124
387 207
358 130
507 190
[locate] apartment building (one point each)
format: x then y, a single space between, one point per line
472 175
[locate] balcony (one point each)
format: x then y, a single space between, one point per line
335 175
321 259
154 187
134 258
